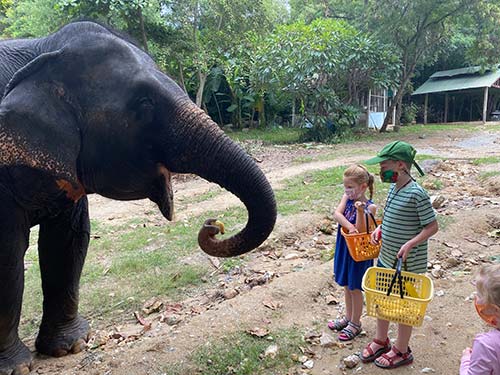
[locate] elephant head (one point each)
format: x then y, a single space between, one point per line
99 116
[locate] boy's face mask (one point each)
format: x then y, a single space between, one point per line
389 176
488 312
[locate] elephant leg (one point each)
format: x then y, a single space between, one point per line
62 247
15 357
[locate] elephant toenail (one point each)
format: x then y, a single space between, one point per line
78 346
21 370
59 352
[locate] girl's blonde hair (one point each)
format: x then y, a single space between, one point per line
488 283
361 176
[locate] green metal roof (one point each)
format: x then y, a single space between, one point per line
458 79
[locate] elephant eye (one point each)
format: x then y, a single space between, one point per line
146 102
145 110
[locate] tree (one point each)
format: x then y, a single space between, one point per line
213 29
126 15
32 18
418 29
322 66
5 5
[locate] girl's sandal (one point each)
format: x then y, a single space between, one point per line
385 347
338 324
404 358
350 332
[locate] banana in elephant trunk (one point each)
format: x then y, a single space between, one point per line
206 151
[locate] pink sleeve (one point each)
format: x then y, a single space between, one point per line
465 363
481 359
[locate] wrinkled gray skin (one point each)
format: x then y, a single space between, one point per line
86 111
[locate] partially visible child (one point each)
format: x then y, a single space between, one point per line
347 272
409 221
484 357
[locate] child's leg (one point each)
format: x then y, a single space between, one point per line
348 303
353 329
341 323
404 334
380 337
392 358
357 306
382 329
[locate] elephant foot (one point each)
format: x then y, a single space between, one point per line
16 360
60 340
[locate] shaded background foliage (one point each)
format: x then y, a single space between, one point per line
270 63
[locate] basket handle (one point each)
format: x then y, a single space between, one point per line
398 263
368 212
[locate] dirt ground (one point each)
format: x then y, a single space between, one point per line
287 284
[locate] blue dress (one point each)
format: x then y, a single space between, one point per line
348 272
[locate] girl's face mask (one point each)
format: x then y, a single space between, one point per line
352 193
488 312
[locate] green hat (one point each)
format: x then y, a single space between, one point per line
397 150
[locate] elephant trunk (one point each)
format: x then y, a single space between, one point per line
202 148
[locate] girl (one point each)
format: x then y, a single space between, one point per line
348 273
484 357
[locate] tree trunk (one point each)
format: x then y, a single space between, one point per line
143 31
397 98
181 77
262 113
202 78
221 122
399 109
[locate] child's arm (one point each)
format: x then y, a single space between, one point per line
465 361
339 216
428 231
480 359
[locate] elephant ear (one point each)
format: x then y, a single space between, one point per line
39 124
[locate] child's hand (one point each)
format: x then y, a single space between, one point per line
376 235
467 352
360 206
404 251
352 229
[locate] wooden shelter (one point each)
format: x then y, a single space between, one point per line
469 87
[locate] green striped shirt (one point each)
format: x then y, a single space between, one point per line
406 212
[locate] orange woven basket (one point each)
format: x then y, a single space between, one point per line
359 245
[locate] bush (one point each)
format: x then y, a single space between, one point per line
409 113
330 129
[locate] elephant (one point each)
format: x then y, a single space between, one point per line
86 111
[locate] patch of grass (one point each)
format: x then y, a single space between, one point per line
242 354
327 254
313 189
125 265
487 160
323 157
486 175
231 263
319 191
421 157
271 136
436 184
444 221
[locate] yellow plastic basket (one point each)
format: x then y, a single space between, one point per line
418 291
359 245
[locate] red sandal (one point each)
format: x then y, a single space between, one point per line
406 359
386 346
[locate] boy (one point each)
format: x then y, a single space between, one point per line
409 221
